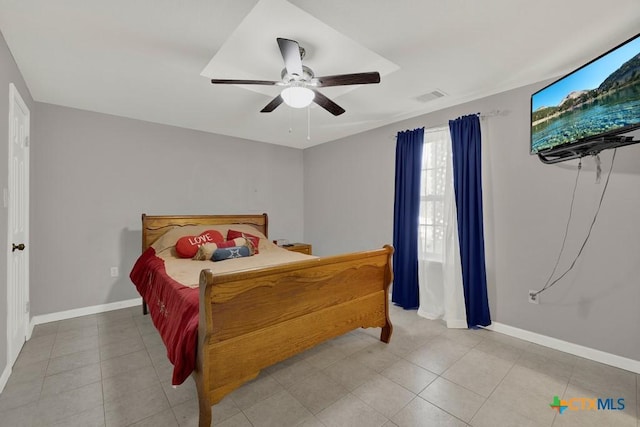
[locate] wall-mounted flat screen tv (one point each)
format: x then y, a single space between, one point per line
600 99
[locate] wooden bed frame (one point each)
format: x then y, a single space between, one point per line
252 319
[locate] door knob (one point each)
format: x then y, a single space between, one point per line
19 247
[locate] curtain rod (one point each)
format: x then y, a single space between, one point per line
491 113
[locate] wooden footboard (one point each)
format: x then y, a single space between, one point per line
252 319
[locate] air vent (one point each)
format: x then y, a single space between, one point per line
430 96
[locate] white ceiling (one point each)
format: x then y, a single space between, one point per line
152 59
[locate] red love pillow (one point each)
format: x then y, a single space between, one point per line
233 234
187 246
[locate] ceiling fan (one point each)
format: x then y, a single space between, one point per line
300 83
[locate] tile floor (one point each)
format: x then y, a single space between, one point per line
111 370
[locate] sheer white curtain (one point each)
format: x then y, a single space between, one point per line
439 267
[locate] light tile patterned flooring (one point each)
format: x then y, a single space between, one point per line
111 370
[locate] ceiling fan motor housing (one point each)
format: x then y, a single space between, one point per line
307 75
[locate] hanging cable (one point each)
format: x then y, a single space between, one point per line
566 230
595 216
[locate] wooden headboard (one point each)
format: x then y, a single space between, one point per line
154 226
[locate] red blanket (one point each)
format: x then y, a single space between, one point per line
174 310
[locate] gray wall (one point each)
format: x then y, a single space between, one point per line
93 175
348 187
9 73
348 193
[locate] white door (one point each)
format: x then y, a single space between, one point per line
18 223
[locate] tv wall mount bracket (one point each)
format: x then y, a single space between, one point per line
584 148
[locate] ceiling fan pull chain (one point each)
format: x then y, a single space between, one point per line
309 123
290 120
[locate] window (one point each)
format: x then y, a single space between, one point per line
435 157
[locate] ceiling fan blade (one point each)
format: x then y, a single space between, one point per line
327 104
290 51
243 82
349 79
272 105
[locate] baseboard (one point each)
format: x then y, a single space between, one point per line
5 377
568 347
94 309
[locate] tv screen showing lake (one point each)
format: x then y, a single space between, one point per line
601 98
604 115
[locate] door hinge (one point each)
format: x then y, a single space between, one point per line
27 307
26 141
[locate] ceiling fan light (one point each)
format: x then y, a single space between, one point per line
297 96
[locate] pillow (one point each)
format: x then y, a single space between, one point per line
205 252
221 254
187 246
251 229
254 240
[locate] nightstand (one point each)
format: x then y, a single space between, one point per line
303 248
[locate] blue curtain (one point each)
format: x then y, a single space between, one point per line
467 181
406 209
